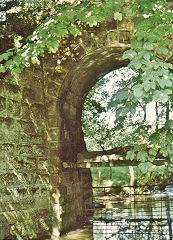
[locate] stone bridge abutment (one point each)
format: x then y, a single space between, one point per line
41 134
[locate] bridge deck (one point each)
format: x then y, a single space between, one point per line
111 158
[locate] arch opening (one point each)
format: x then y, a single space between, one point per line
113 123
111 118
107 122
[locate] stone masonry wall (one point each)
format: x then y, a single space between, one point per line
25 210
76 190
40 129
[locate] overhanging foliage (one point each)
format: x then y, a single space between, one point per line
150 54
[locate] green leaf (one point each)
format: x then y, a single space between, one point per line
9 64
146 56
53 46
16 71
5 56
165 82
126 109
135 44
122 94
129 54
145 167
2 69
163 50
169 124
74 31
142 156
148 46
146 86
35 60
129 11
162 95
130 155
153 85
17 60
153 151
171 159
136 64
118 112
118 16
138 91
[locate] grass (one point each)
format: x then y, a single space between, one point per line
117 176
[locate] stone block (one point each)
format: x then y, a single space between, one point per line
53 120
70 110
10 178
27 162
4 227
9 132
43 166
14 108
51 106
53 134
54 180
40 127
10 91
3 109
34 138
26 112
53 89
7 148
32 95
37 111
72 98
30 201
24 150
28 126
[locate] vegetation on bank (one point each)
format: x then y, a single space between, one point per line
120 176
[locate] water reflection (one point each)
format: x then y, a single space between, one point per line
141 217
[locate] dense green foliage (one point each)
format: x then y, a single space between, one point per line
151 38
119 176
150 54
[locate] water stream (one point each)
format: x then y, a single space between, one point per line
140 217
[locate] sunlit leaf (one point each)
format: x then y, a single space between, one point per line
2 69
131 155
118 16
138 91
163 50
148 46
145 167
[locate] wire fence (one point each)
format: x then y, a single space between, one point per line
140 214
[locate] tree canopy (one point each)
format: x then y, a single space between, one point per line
150 54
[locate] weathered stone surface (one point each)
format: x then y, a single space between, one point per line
40 131
73 193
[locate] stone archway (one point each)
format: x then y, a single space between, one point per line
41 129
76 86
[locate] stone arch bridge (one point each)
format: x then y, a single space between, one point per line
43 188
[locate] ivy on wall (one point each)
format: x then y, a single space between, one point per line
150 54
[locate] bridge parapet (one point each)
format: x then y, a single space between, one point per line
113 158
